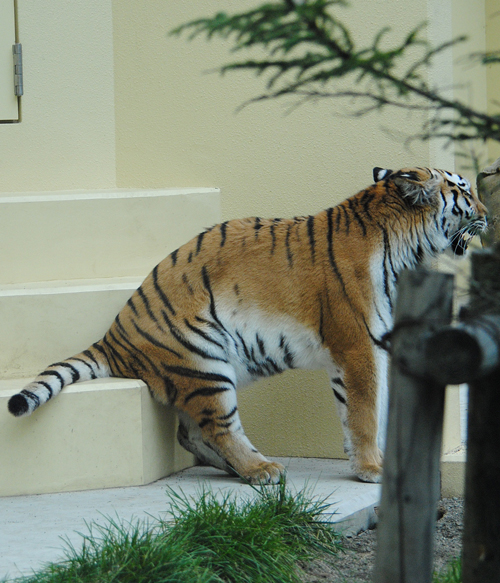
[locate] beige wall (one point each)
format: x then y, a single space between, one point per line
492 16
66 139
177 125
112 100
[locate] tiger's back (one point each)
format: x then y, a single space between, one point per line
254 297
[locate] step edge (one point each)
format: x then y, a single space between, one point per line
76 195
70 286
8 387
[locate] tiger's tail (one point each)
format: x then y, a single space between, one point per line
85 366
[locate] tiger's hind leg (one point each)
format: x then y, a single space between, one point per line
211 429
190 437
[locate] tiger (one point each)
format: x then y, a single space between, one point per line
255 297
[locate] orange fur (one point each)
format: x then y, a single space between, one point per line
254 297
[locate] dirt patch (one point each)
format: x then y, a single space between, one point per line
356 563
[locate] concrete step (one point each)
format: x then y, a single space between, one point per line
98 434
32 528
453 473
48 321
98 234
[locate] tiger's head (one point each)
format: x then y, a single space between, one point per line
455 210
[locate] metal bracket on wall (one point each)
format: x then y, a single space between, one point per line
17 51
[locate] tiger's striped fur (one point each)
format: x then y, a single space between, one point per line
254 297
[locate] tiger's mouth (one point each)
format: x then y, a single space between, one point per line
461 238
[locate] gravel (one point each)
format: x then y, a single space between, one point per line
356 563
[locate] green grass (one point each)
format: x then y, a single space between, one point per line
451 574
207 541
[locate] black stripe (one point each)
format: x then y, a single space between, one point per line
224 425
289 253
191 373
32 396
230 414
47 386
220 330
136 358
145 301
288 356
53 373
245 348
273 237
338 381
357 217
100 349
339 397
385 272
75 375
160 292
419 254
114 354
310 232
375 341
177 334
130 303
154 341
187 284
223 228
321 321
347 218
203 334
199 242
205 422
260 344
206 392
366 201
337 219
90 356
173 256
274 368
331 256
92 373
456 210
273 234
170 389
257 226
208 287
443 198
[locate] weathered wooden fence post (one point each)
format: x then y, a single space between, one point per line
411 484
481 551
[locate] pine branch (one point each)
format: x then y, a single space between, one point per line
308 49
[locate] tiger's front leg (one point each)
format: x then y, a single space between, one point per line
356 394
213 431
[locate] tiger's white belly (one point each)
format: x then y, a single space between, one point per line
262 345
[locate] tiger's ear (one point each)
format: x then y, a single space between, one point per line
380 173
417 190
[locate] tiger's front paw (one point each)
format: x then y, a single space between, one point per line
369 473
264 473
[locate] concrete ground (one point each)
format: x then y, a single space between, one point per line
31 527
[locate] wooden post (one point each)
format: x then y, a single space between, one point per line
481 543
465 352
411 485
488 189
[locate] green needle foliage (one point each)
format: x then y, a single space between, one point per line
208 540
308 49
